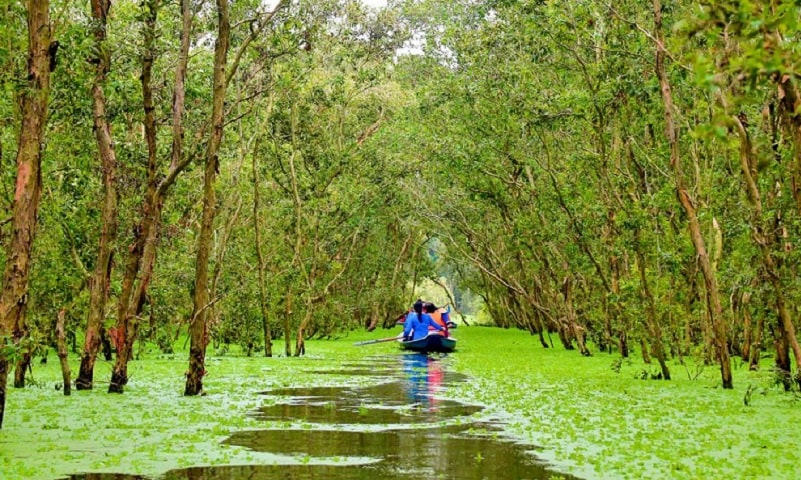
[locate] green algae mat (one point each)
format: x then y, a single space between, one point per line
589 417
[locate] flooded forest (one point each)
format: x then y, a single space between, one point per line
216 215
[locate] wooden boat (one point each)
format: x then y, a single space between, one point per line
433 342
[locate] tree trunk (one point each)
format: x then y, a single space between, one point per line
126 323
783 367
23 365
288 323
712 294
300 342
623 344
142 253
576 330
33 101
101 277
61 342
651 322
765 241
198 328
646 357
790 114
747 326
756 345
265 321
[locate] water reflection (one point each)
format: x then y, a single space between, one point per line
411 398
401 429
423 379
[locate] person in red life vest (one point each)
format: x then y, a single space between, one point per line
418 323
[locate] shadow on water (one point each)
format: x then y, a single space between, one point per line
422 435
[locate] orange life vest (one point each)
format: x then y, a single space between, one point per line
437 317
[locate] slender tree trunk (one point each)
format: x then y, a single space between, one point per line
61 343
576 330
747 326
198 328
142 253
101 277
33 101
623 344
765 241
300 343
790 115
396 278
651 323
783 367
646 357
288 323
265 321
23 366
614 273
126 323
712 294
297 203
756 345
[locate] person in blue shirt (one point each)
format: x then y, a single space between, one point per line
416 325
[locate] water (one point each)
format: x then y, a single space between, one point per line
402 428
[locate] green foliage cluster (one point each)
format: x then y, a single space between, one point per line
308 97
549 176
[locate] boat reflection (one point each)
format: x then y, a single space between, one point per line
423 380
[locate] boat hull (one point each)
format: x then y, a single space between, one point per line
430 343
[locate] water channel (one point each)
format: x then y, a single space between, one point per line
401 428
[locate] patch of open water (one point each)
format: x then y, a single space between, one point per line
400 429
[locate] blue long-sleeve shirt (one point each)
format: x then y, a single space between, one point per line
416 325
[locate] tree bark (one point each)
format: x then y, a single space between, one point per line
747 325
765 241
22 367
576 330
712 293
142 253
61 342
101 277
198 328
651 323
646 357
783 366
265 319
288 323
756 344
34 100
126 323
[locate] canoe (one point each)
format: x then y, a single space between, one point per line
432 342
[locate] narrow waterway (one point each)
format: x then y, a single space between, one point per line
401 428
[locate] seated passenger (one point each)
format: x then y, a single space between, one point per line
438 315
417 324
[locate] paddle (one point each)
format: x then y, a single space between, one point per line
380 340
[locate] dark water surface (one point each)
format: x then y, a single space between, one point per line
400 429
